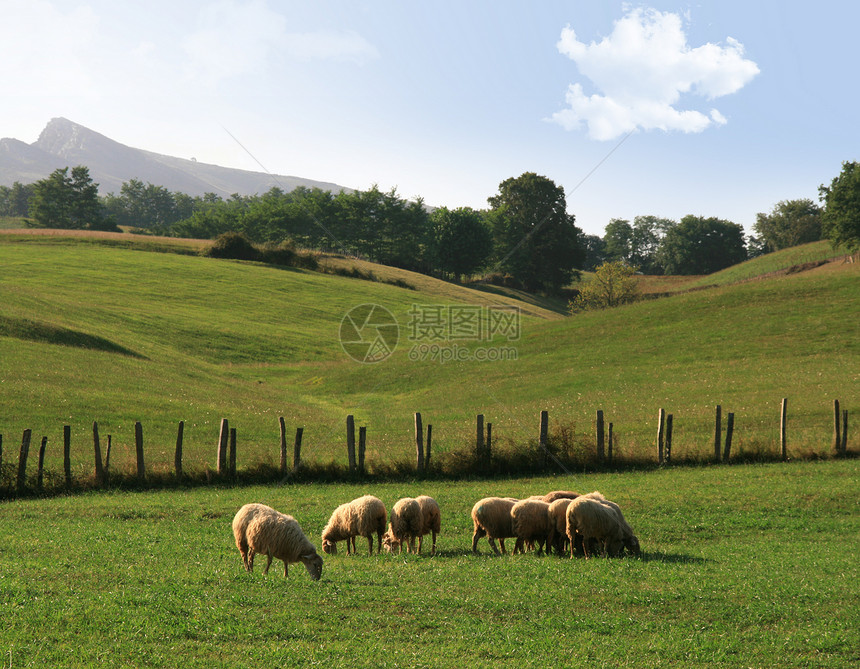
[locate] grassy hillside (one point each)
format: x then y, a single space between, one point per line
94 331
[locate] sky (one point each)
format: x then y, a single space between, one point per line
713 108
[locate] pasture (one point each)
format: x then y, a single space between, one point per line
91 330
743 566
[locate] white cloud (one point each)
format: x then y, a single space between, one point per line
641 72
239 38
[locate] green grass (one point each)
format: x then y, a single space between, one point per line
750 566
94 332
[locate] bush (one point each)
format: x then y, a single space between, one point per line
233 245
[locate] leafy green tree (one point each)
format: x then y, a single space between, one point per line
15 201
841 219
611 285
595 252
144 206
618 239
791 222
69 201
459 241
699 245
535 239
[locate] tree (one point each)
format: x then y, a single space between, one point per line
145 206
841 219
699 245
618 237
595 252
15 201
613 284
791 222
69 202
535 239
459 241
636 244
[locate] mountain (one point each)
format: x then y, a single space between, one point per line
66 144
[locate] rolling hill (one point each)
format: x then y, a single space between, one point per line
94 331
66 144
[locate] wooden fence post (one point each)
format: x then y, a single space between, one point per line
730 430
233 452
668 436
97 453
40 471
177 456
543 435
297 449
350 442
362 445
223 437
427 450
138 444
609 444
718 429
837 432
67 454
488 445
600 436
107 459
22 461
1 456
661 434
419 442
783 426
479 437
283 433
844 448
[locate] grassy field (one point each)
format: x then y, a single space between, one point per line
93 331
745 566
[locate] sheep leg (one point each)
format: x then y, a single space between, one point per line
433 550
479 532
250 566
420 540
268 563
502 542
286 569
492 541
370 544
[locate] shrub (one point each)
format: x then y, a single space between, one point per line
233 245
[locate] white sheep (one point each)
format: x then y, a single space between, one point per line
557 513
593 519
431 524
432 520
405 525
258 528
629 539
361 517
530 523
550 497
492 519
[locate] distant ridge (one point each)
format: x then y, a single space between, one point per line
64 143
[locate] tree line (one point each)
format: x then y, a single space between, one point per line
524 238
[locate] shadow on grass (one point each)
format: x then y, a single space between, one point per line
672 558
27 330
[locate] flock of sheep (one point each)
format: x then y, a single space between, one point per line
563 520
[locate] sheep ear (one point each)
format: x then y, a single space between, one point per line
309 556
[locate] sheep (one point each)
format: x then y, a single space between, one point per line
530 523
432 520
431 524
558 525
258 528
360 517
492 519
593 519
629 539
550 497
406 523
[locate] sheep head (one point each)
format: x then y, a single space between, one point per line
314 564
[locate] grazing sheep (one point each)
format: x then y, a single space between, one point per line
550 497
629 539
558 525
431 524
432 520
406 523
258 528
593 519
530 523
492 519
359 518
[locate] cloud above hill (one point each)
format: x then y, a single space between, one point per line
641 72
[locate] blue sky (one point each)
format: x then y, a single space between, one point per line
714 108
